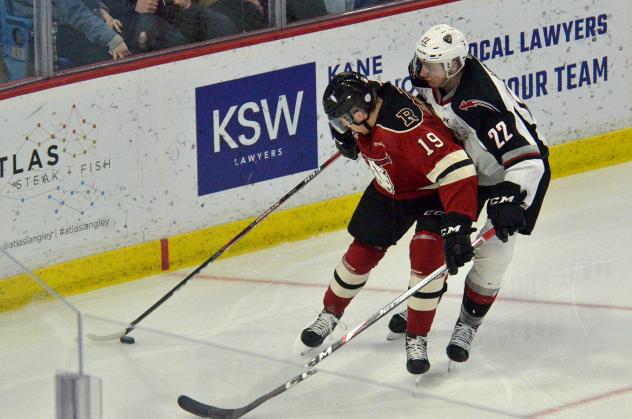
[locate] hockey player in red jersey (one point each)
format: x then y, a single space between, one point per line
500 135
421 177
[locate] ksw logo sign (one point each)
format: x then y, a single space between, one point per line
256 128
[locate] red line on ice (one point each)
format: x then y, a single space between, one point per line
580 402
392 290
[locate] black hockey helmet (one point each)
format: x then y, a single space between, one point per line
347 93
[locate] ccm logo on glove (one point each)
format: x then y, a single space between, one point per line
501 200
505 209
450 230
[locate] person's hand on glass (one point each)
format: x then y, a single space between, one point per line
146 6
120 51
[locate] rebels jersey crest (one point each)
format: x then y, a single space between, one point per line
409 117
465 105
380 172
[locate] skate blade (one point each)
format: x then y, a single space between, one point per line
301 350
307 351
449 366
394 336
418 380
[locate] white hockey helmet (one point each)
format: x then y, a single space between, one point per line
441 44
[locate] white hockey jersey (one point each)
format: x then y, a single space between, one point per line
496 129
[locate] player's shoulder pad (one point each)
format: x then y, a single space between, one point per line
477 93
400 112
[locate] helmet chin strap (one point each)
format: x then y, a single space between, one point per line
449 77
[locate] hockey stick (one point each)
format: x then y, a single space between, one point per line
208 411
132 325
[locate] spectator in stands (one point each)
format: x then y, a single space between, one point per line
158 24
83 37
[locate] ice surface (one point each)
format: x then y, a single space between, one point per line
556 344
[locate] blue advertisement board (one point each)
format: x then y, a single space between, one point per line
256 128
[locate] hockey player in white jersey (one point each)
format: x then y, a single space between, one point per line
500 135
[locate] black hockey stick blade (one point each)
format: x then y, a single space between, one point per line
207 411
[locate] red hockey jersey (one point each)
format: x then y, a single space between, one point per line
413 154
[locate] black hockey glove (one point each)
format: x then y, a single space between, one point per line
455 230
505 210
346 144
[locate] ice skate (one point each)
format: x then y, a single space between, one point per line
458 349
417 354
314 335
397 325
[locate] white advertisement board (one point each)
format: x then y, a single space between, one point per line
110 162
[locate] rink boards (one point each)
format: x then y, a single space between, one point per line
120 175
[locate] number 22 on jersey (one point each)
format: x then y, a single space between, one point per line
495 133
